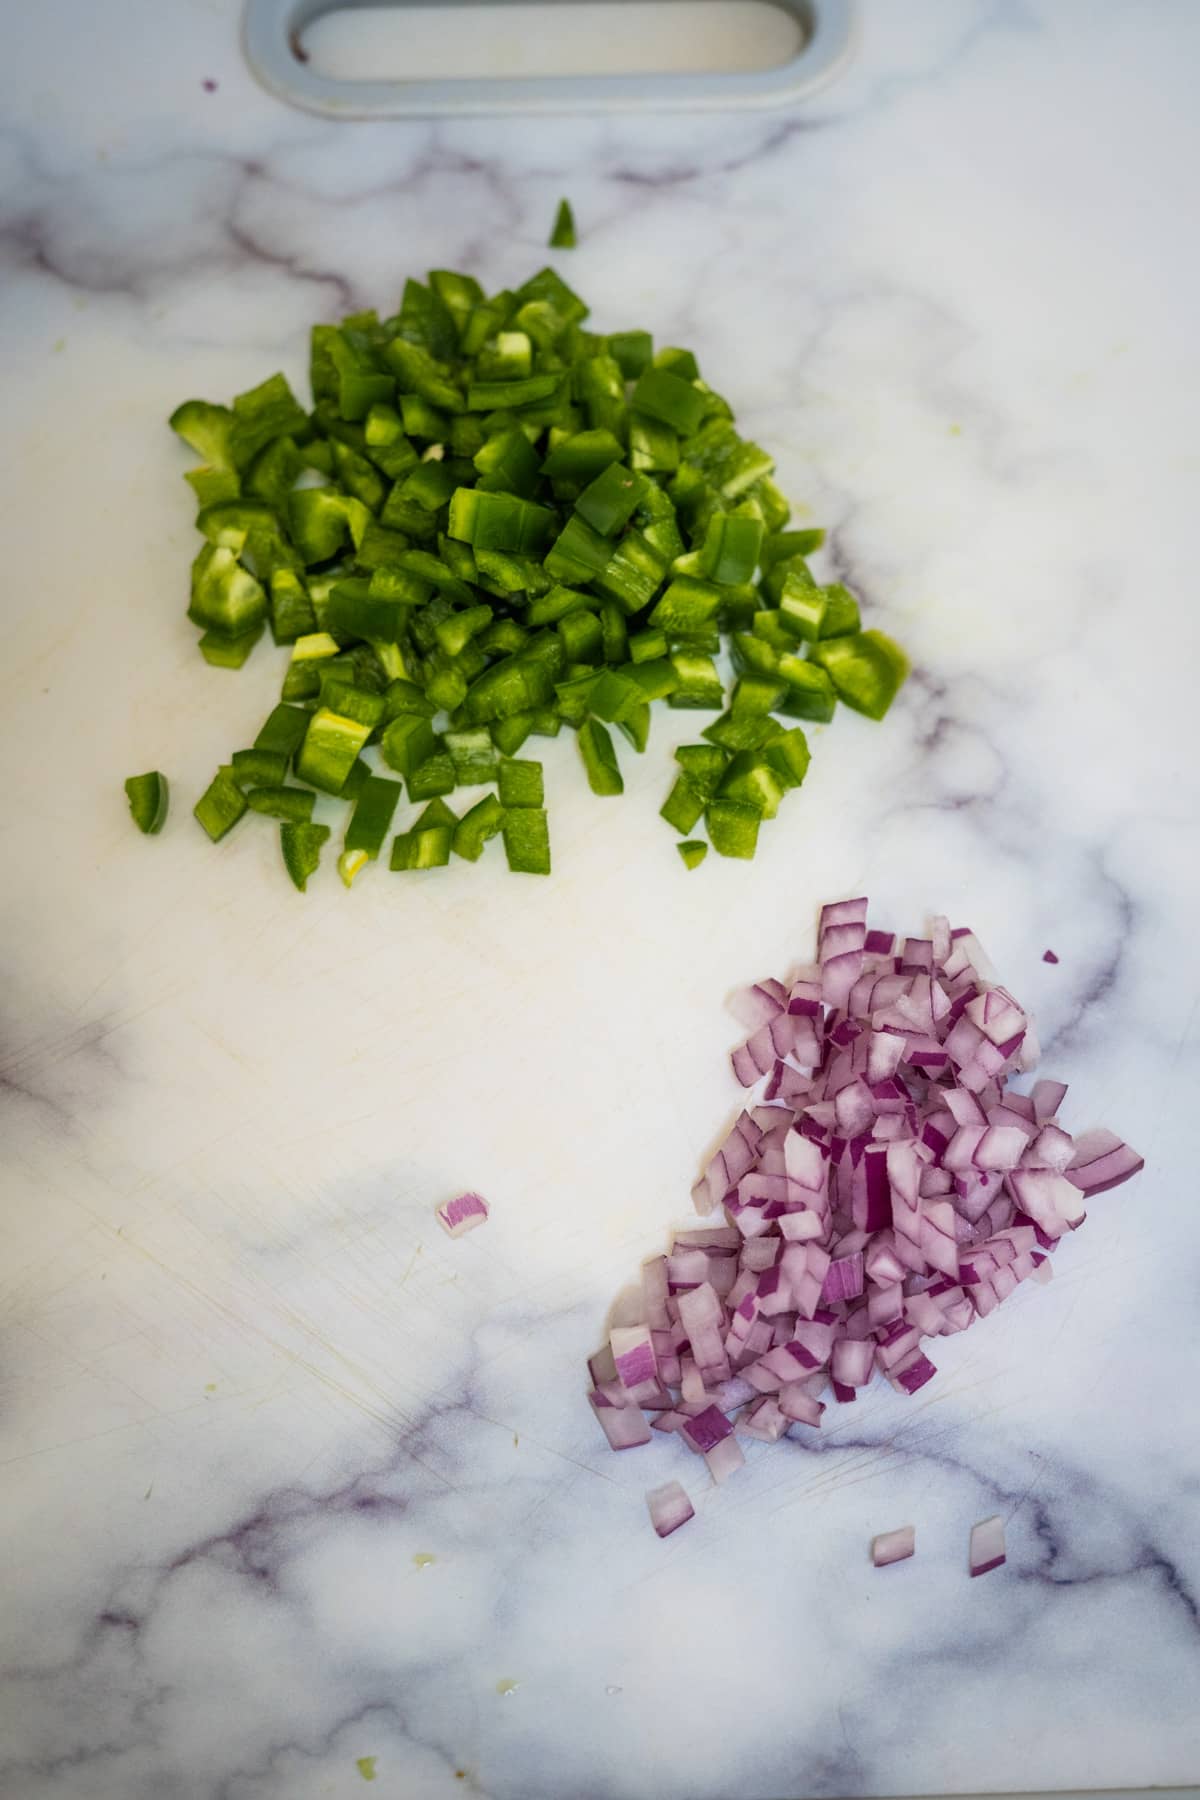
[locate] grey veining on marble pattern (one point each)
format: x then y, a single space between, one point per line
247 1389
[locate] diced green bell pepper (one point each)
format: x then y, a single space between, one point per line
866 668
149 798
301 845
527 840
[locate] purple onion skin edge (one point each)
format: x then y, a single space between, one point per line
987 1567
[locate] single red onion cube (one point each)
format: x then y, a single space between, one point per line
463 1213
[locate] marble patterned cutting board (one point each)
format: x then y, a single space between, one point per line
291 1480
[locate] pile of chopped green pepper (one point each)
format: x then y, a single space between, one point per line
494 523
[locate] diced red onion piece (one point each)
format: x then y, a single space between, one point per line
462 1214
724 1459
1101 1161
624 1426
633 1355
987 1545
669 1508
753 1006
798 1405
893 1546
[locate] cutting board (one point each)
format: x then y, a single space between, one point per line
293 1479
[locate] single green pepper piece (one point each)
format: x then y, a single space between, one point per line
732 545
425 319
699 684
149 798
510 733
223 652
433 777
788 756
810 692
550 286
609 502
680 362
428 424
653 446
555 604
732 828
426 847
670 398
750 732
508 463
497 521
752 654
259 767
686 606
573 699
509 357
867 670
778 545
417 372
582 456
756 695
322 522
473 755
458 293
683 806
267 411
648 645
212 486
521 784
221 805
776 510
582 636
314 646
635 725
599 759
563 235
301 681
693 851
704 765
616 693
730 463
301 845
205 429
407 742
401 696
578 554
632 350
802 606
291 610
282 802
543 323
226 598
490 396
283 730
355 781
657 679
615 633
475 827
841 612
633 574
544 722
751 779
527 840
515 685
456 632
335 737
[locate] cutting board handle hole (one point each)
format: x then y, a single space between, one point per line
503 40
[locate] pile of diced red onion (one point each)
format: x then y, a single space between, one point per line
889 1187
